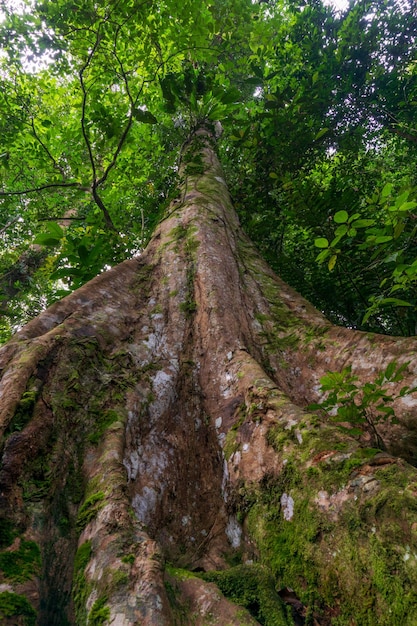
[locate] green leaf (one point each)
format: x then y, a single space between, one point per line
386 190
231 96
383 239
341 230
395 301
365 223
341 217
44 239
399 228
407 206
55 230
145 117
390 369
323 255
320 134
321 242
332 262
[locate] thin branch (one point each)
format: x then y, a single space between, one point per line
15 219
132 103
58 219
84 102
101 205
22 192
46 149
403 134
96 182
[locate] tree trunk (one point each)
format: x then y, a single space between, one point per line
158 466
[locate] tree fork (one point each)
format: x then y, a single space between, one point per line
156 416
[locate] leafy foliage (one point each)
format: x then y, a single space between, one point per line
319 142
358 407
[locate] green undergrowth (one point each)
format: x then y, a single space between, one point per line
13 605
180 610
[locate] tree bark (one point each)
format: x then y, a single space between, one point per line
159 465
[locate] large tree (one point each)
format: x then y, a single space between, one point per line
159 464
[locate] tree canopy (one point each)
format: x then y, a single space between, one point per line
316 110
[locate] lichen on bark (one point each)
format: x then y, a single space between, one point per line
154 422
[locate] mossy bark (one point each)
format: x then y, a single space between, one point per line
157 416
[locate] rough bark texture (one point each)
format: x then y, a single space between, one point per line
158 466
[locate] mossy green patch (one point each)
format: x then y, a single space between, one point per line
14 605
252 587
100 612
179 572
360 555
89 509
7 532
128 558
39 478
188 307
105 419
230 444
23 412
81 589
21 564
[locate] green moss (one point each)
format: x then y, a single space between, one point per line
230 444
39 479
81 589
128 558
367 566
180 613
253 588
277 438
82 557
100 613
14 605
24 411
194 169
119 579
179 572
22 564
104 420
89 509
188 307
7 533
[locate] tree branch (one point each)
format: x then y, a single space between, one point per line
132 103
96 182
101 205
22 192
46 149
84 102
2 230
57 219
